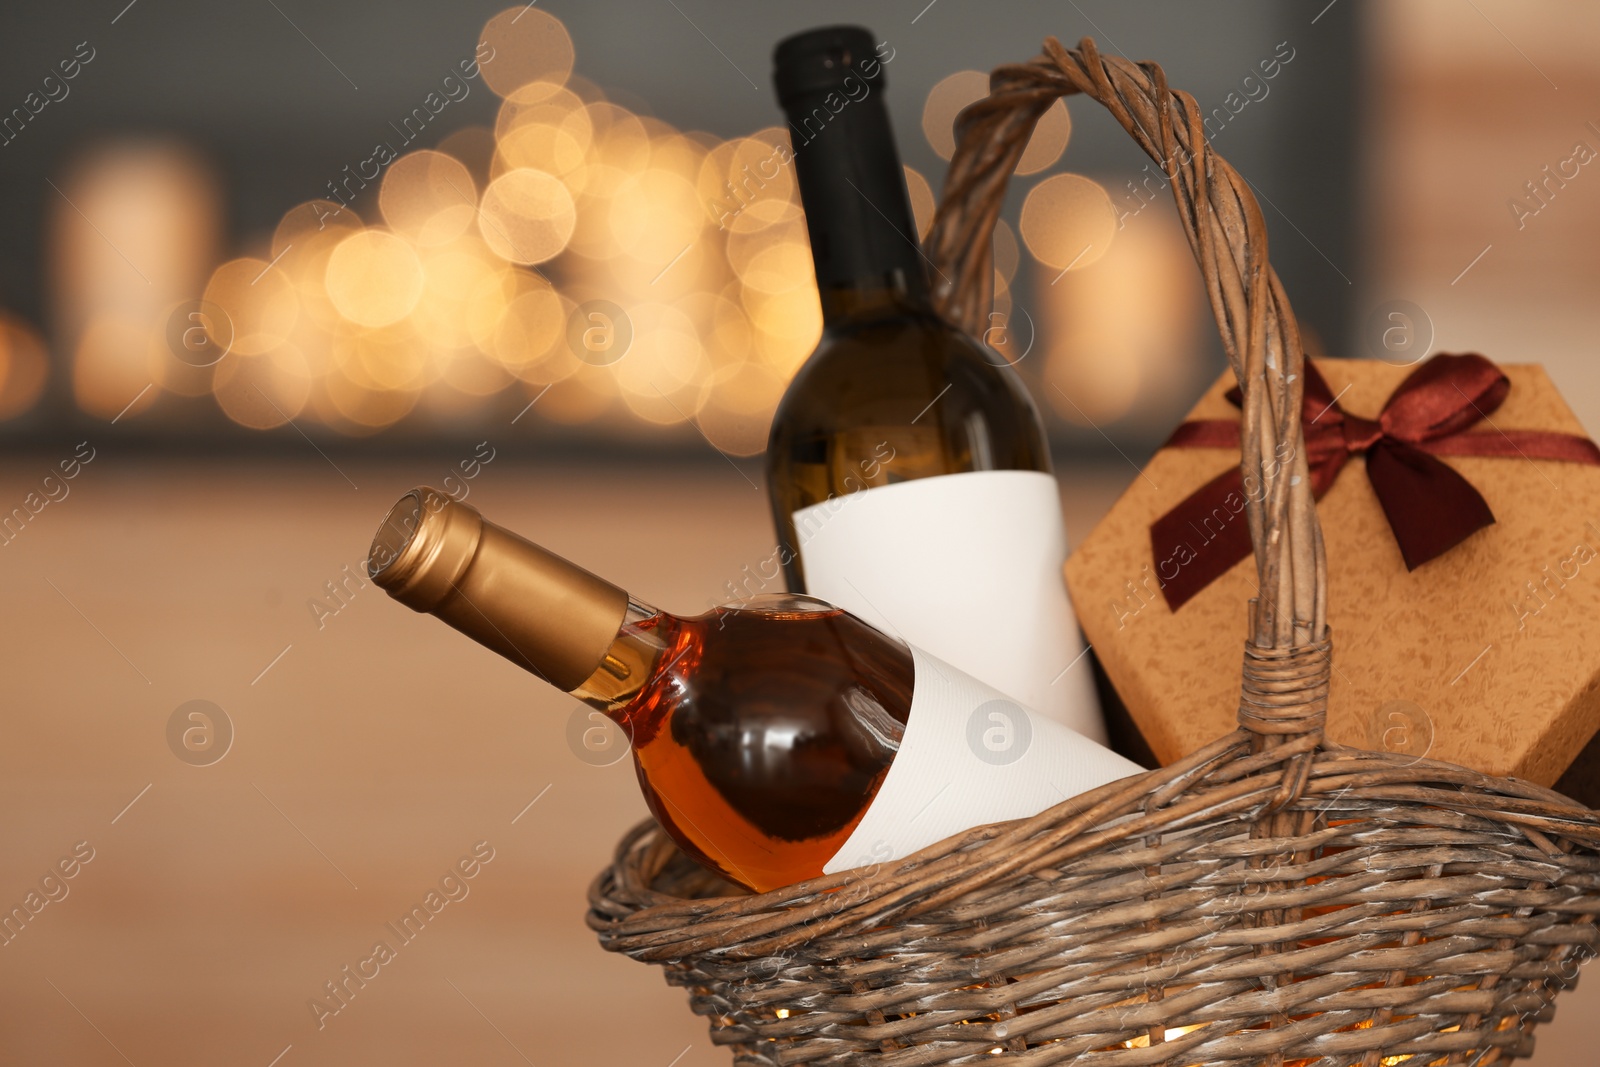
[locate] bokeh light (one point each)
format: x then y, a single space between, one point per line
660 375
474 146
263 391
456 278
24 366
1122 339
944 103
952 94
527 216
531 339
260 301
357 408
737 405
1006 253
374 278
1068 221
465 294
428 198
110 370
583 396
922 201
131 236
386 359
1049 139
524 45
306 236
656 215
470 372
546 128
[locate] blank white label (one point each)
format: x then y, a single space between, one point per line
968 568
970 756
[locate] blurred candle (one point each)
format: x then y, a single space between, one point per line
1122 338
131 233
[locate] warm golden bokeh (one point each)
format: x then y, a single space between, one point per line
1007 254
468 270
922 201
522 45
374 278
260 301
954 92
655 215
109 372
527 216
428 198
530 340
737 405
1049 139
1122 334
266 390
132 233
1068 221
24 366
945 101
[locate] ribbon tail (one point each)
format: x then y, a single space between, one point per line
1201 538
1430 507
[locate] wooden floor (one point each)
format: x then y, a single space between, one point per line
372 750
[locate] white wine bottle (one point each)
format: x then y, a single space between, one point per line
776 740
908 470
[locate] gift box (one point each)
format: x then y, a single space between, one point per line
1460 508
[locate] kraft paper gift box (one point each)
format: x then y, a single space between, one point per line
1486 654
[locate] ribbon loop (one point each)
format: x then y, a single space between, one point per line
1444 396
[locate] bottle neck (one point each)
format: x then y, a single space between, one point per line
896 293
858 215
543 613
629 662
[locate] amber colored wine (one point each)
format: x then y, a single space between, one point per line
908 470
767 736
762 733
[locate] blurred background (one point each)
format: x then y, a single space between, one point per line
268 265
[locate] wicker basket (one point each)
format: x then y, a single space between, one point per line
1270 899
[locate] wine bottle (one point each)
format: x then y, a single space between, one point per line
775 740
908 471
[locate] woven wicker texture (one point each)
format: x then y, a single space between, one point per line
1268 900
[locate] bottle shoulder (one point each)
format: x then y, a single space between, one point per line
869 370
913 372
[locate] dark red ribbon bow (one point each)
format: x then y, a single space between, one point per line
1431 508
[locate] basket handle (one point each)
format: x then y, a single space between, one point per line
1287 656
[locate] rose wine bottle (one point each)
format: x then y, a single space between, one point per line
908 471
776 740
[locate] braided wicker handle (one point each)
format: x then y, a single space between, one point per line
1286 657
